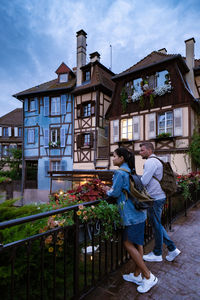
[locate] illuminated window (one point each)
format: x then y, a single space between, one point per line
127 129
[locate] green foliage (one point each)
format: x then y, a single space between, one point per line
15 162
194 149
164 135
4 179
123 98
141 101
151 99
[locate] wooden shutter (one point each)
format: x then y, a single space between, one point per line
63 165
16 131
63 104
46 167
26 104
115 131
36 103
46 106
152 125
46 137
79 110
62 137
136 128
178 127
91 139
9 131
79 140
0 131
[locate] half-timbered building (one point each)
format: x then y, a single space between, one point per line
157 100
92 97
48 128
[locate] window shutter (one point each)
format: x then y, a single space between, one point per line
151 81
62 137
9 131
79 110
178 130
63 104
136 128
79 140
46 137
91 139
63 165
46 106
36 103
46 167
0 131
115 131
93 108
152 125
26 104
15 131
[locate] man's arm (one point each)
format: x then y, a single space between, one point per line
149 170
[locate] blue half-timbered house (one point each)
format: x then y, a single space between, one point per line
48 128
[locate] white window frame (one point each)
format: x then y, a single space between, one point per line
87 110
55 106
127 129
63 77
165 125
55 165
56 135
86 141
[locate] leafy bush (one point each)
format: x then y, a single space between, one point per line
194 149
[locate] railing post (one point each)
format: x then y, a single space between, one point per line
170 213
76 256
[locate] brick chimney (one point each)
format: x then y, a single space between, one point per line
81 54
94 56
190 63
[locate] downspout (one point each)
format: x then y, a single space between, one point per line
23 162
96 132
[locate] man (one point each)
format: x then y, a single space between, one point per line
154 168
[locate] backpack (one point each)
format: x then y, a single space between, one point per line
138 194
168 181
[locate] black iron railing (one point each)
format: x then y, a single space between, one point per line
75 260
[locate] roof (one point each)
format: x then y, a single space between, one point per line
49 86
13 118
150 60
63 69
100 76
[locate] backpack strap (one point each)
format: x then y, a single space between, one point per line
161 163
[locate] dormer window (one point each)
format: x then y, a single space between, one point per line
86 75
63 77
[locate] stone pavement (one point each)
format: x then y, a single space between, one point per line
179 279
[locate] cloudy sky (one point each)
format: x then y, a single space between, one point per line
36 36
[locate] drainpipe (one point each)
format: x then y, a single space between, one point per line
23 162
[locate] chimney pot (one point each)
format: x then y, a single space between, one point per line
94 56
163 50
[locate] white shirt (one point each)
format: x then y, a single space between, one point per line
153 167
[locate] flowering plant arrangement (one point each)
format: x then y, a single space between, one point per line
185 182
54 144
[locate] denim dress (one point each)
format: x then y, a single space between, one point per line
131 218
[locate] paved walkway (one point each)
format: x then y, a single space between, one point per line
178 280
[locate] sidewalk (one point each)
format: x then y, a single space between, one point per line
179 279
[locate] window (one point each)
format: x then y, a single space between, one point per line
86 75
19 131
127 129
55 135
165 123
162 78
5 150
32 105
55 165
5 131
86 141
137 85
55 106
31 136
63 78
87 110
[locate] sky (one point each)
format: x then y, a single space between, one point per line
36 36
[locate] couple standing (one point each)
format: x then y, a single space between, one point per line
134 220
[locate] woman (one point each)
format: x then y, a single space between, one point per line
133 220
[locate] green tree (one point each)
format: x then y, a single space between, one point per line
194 149
14 161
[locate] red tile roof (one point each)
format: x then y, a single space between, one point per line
63 69
14 118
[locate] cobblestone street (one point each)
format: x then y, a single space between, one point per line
179 279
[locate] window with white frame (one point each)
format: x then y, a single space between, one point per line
87 109
165 123
63 78
137 85
5 131
86 141
31 136
127 129
55 106
55 165
55 135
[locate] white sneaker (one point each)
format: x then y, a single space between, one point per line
132 278
172 254
152 257
147 284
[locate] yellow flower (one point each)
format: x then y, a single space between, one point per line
60 242
78 213
50 249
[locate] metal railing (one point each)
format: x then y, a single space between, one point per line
32 269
